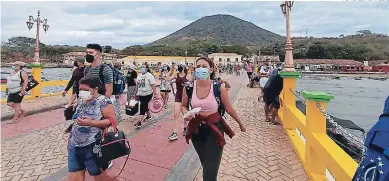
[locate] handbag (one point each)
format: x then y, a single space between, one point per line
131 110
110 146
68 112
31 82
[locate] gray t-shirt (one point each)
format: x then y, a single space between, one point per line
85 135
94 73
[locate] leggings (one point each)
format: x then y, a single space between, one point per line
210 155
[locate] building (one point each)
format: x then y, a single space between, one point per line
225 58
382 67
261 59
157 60
328 65
67 58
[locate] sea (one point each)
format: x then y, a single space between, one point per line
361 101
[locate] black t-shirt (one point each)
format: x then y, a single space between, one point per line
273 86
131 76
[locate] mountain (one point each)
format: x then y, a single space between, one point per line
223 30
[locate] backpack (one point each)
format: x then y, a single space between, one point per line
119 83
374 165
216 92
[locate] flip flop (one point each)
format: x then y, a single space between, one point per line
276 123
24 115
13 122
267 120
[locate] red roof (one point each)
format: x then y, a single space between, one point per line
343 62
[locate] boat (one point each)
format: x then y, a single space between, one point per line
337 77
358 78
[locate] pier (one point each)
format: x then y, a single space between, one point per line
299 149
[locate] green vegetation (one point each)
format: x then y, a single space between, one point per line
221 30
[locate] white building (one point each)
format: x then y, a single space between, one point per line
67 58
157 60
225 58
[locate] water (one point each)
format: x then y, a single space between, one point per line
361 101
358 100
47 74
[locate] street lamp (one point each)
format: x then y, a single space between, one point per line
45 26
286 8
186 54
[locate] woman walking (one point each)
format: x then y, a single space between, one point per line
181 78
77 75
131 84
165 84
16 89
94 113
145 91
208 127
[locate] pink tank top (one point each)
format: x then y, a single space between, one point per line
207 104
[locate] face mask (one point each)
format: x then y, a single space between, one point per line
180 69
143 70
13 67
85 95
202 73
89 58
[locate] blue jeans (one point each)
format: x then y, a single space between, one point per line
81 158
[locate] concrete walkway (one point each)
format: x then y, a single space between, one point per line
263 152
35 148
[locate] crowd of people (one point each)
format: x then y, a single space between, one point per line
200 99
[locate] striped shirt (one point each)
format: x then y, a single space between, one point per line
93 72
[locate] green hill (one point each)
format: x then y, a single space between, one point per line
222 30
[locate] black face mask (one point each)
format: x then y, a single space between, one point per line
180 69
89 58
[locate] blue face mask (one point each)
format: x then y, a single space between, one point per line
13 67
202 73
143 70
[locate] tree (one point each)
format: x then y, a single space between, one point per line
317 51
107 49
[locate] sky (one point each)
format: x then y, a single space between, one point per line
122 24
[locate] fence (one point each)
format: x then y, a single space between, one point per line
320 156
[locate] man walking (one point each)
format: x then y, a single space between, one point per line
100 71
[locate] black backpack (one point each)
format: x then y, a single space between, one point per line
216 92
118 80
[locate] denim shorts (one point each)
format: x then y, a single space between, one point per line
81 158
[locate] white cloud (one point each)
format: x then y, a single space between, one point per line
121 24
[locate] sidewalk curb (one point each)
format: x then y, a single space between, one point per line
7 117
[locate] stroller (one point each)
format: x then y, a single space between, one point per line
254 80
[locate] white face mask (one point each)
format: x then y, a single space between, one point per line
85 95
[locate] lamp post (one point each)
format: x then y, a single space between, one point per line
38 21
286 8
186 54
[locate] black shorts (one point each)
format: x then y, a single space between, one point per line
165 90
249 74
14 98
273 101
144 103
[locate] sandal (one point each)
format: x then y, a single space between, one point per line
23 114
267 120
275 123
13 121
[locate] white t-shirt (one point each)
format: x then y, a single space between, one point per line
144 82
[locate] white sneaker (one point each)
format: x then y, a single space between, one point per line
173 137
110 163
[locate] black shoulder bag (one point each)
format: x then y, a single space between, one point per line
110 146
